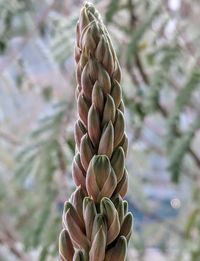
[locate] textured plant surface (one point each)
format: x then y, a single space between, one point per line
96 222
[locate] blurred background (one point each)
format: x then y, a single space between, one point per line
157 43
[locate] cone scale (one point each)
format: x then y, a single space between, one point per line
96 223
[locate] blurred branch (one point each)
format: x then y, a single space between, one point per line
133 23
27 38
7 137
8 240
192 175
195 157
141 69
61 138
145 78
185 46
132 74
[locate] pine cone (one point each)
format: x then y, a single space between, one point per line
96 223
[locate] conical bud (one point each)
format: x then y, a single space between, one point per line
122 186
79 132
104 80
109 211
126 228
83 109
89 214
119 205
116 93
109 110
87 41
83 64
86 82
101 49
75 227
93 70
98 97
119 128
76 200
106 141
66 249
99 222
117 162
97 251
100 179
78 172
118 252
83 20
124 144
125 204
117 72
86 151
108 59
71 211
94 125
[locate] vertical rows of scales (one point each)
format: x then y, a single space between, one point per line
96 221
